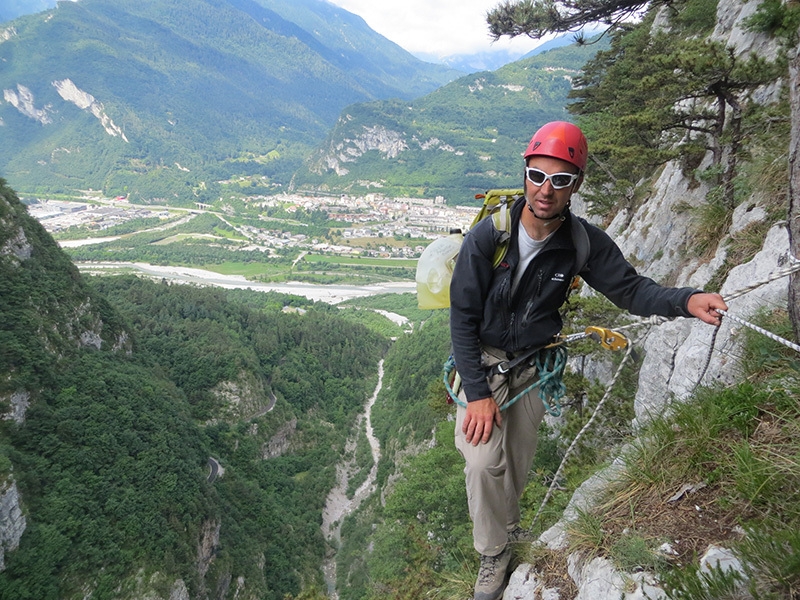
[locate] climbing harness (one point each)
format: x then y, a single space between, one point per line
550 362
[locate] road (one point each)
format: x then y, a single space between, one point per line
215 469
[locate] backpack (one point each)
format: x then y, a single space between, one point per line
435 266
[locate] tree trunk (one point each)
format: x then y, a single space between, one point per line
794 189
733 151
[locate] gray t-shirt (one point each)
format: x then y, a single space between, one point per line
528 249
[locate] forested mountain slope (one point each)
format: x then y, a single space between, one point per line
153 99
461 139
120 398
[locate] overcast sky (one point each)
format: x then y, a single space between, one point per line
435 27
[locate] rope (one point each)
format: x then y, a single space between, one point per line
772 277
761 330
585 428
658 320
550 364
708 360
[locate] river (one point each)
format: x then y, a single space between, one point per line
332 294
338 505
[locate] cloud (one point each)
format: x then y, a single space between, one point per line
440 28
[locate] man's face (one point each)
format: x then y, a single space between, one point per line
546 201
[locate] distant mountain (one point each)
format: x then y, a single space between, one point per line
154 99
455 142
493 59
478 61
11 9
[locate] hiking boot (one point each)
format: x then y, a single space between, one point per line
519 534
492 576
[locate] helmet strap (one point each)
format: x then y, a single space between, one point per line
547 222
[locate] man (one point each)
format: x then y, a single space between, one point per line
498 313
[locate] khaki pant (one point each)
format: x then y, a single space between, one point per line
496 472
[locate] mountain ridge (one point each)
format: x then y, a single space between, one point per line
205 84
460 140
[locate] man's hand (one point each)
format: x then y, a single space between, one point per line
481 416
704 307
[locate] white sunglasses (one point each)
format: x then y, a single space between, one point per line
558 180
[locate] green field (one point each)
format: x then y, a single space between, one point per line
408 263
247 269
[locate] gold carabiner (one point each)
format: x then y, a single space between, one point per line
609 339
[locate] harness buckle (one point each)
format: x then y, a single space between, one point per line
502 367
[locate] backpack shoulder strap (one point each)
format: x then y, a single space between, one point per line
502 223
498 206
581 240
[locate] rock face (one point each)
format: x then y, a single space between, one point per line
12 521
730 29
207 546
388 142
279 443
598 578
85 101
22 99
179 591
243 398
655 237
678 351
18 404
17 246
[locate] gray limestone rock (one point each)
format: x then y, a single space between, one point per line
598 578
526 583
12 521
678 351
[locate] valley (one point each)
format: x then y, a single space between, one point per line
361 242
329 293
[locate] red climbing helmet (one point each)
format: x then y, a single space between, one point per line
560 139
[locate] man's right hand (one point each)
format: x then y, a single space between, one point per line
481 417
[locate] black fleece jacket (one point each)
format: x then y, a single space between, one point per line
483 312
